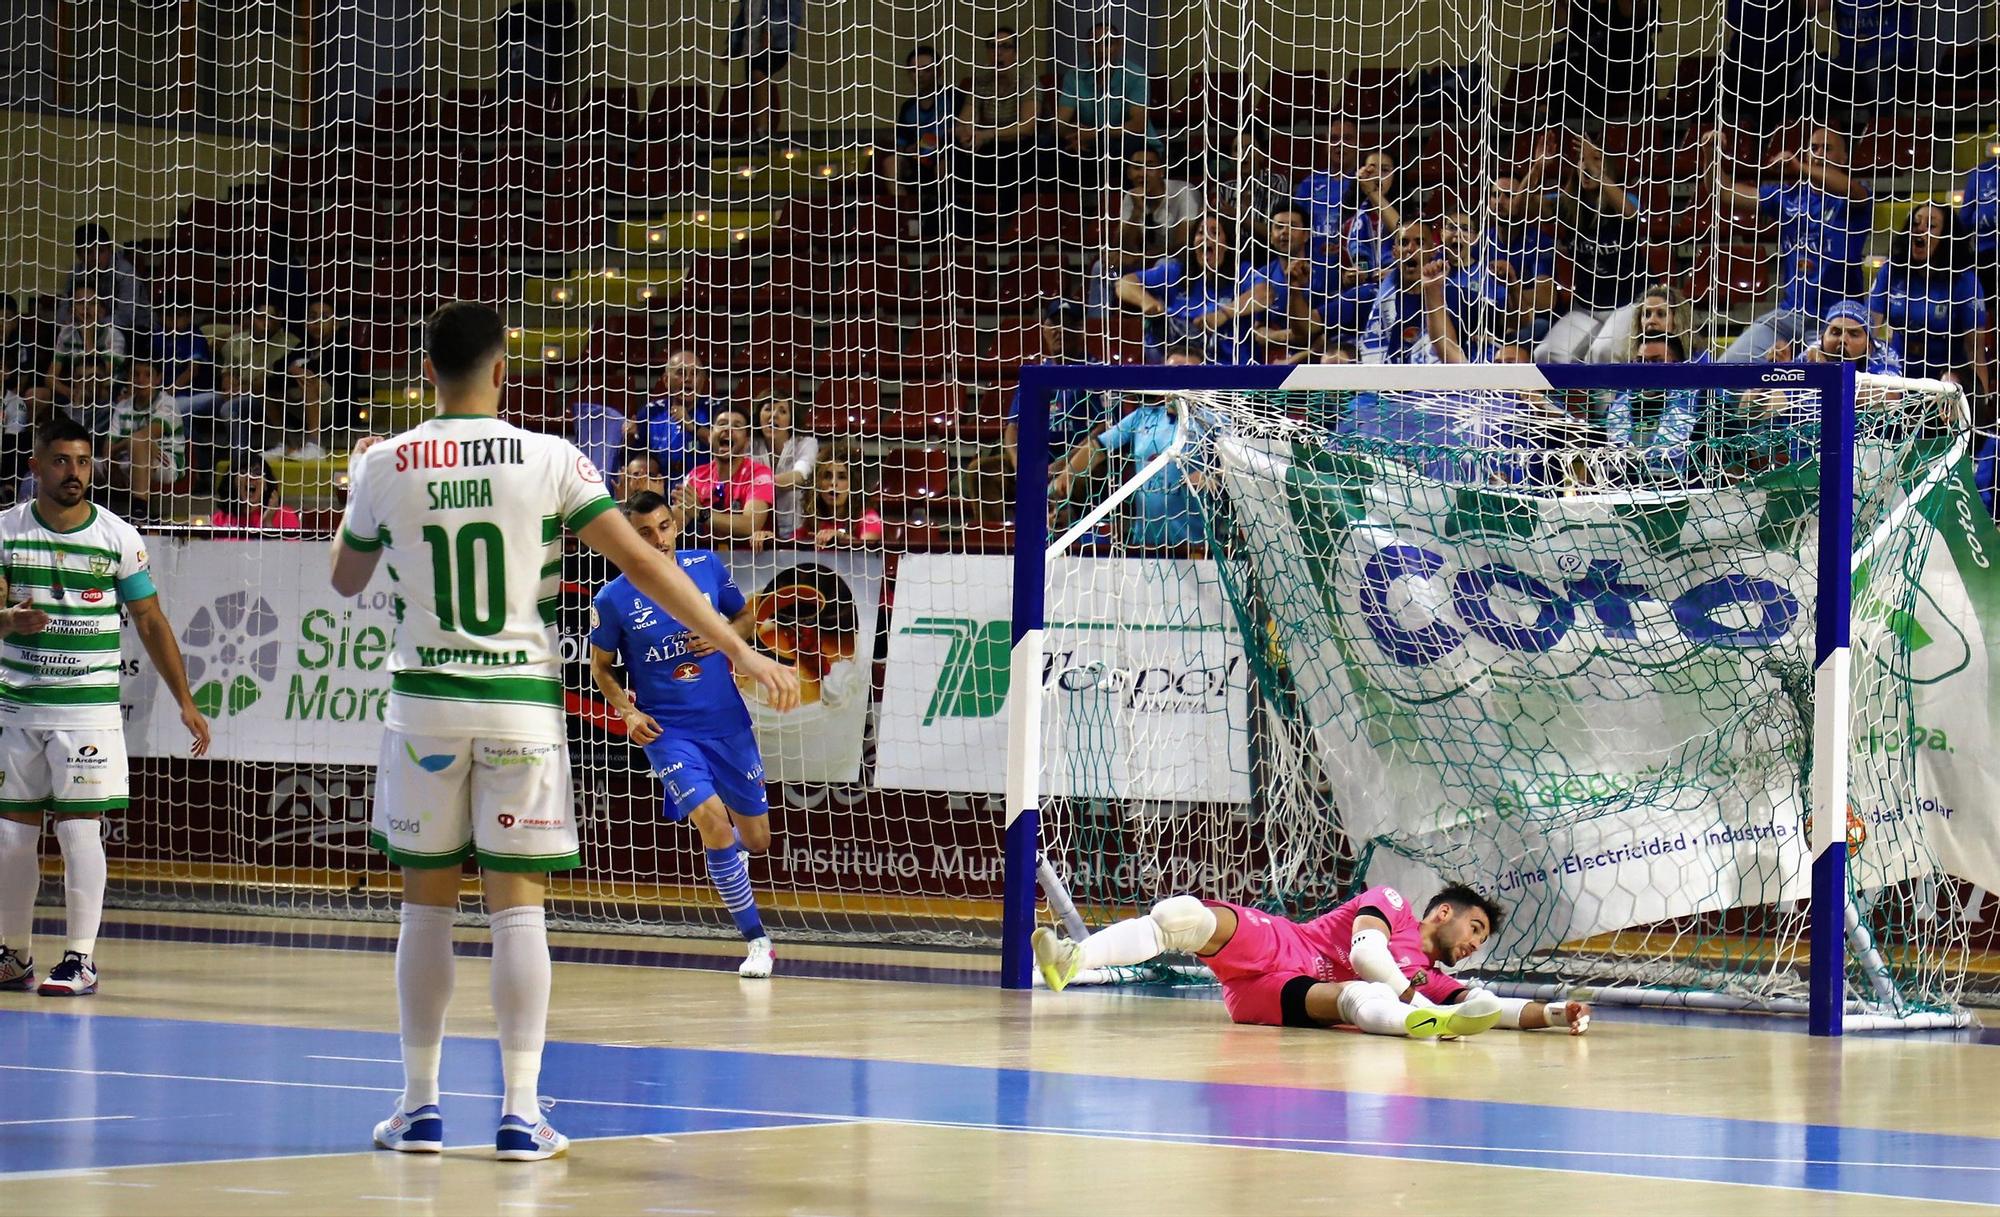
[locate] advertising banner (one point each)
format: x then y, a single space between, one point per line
1146 682
288 671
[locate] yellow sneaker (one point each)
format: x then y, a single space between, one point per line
1475 1014
1425 1022
1058 958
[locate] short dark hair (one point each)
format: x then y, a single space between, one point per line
922 48
90 236
1461 897
645 503
60 429
462 336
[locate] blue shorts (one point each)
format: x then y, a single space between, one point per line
696 770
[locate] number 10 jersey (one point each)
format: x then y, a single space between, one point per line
468 512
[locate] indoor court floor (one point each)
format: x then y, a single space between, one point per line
236 1065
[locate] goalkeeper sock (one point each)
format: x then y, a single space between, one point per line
84 872
1122 943
424 976
729 871
20 880
1374 1008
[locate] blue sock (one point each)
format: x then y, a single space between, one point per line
729 871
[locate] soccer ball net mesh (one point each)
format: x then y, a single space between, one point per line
1451 644
849 221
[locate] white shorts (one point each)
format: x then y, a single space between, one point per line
439 801
78 770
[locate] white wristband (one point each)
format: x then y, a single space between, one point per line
1558 1013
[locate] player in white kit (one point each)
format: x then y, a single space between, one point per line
72 571
468 512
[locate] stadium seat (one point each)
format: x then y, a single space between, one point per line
534 405
1370 95
647 171
915 475
1737 275
1902 143
1297 98
926 411
476 114
613 112
1212 99
399 112
847 409
1692 91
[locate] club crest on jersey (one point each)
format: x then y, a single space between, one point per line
100 565
687 671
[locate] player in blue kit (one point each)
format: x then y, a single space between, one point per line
689 716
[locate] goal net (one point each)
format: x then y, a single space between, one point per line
1554 643
873 216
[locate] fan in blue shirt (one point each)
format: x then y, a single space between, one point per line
1824 216
1931 301
689 716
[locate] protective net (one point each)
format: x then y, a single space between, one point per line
1556 645
224 223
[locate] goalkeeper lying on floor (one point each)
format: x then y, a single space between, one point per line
1372 963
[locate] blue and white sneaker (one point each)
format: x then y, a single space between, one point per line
75 976
520 1141
17 971
412 1132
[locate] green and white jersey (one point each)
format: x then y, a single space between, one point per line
469 513
66 677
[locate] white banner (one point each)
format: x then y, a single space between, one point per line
1145 681
290 672
1597 704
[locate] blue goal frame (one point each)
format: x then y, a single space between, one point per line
1827 798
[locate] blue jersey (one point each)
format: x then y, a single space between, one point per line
691 696
1979 214
1823 237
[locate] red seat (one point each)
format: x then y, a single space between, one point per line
566 226
471 114
1901 143
535 405
400 112
613 112
847 409
1738 274
915 474
1372 94
1021 287
1297 98
926 411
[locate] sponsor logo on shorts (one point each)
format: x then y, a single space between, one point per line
685 672
400 825
536 823
437 763
506 821
83 779
678 791
88 750
505 757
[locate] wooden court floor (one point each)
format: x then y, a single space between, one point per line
235 1065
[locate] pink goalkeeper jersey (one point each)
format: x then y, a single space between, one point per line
1333 937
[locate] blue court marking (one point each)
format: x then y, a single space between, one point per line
202 1092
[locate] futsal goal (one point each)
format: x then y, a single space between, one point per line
1653 655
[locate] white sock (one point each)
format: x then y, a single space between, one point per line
84 871
1374 1008
521 1005
1122 943
20 879
424 965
